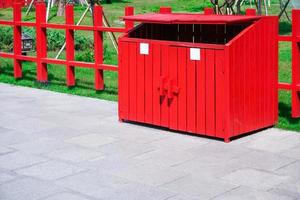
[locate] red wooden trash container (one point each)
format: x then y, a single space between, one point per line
204 74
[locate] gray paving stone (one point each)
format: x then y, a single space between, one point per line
165 158
3 130
110 164
246 193
41 145
17 136
74 154
66 196
262 160
93 183
61 133
292 170
208 167
29 124
275 146
292 153
91 140
5 177
290 187
255 178
27 188
183 197
18 160
125 149
5 150
153 175
219 150
136 191
50 170
179 142
201 188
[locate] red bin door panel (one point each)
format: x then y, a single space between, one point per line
196 100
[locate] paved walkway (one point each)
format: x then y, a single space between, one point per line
60 147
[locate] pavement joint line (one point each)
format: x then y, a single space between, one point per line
293 162
222 194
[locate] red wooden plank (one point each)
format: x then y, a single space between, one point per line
108 67
201 92
17 16
41 42
149 68
232 54
172 86
276 70
210 92
242 57
70 53
191 94
165 62
182 83
156 83
7 23
285 38
295 63
140 86
98 46
247 74
252 75
6 55
260 60
124 80
189 18
132 81
220 94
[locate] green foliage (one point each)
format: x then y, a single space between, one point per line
6 39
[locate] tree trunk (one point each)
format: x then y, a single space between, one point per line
238 7
61 8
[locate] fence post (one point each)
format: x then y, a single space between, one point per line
250 12
70 53
296 63
17 40
165 10
208 11
98 45
129 10
41 42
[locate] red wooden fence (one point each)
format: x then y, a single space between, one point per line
41 58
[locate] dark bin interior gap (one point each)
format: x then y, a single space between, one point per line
194 33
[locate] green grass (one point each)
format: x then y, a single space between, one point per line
85 77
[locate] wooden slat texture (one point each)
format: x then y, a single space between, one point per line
140 86
132 81
149 101
210 92
182 83
220 94
156 76
201 91
173 76
191 94
165 65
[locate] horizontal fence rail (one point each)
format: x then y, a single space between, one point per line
41 58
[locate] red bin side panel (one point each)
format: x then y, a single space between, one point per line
253 77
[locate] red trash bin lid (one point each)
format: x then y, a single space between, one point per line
178 18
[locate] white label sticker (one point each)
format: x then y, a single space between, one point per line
144 48
195 54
